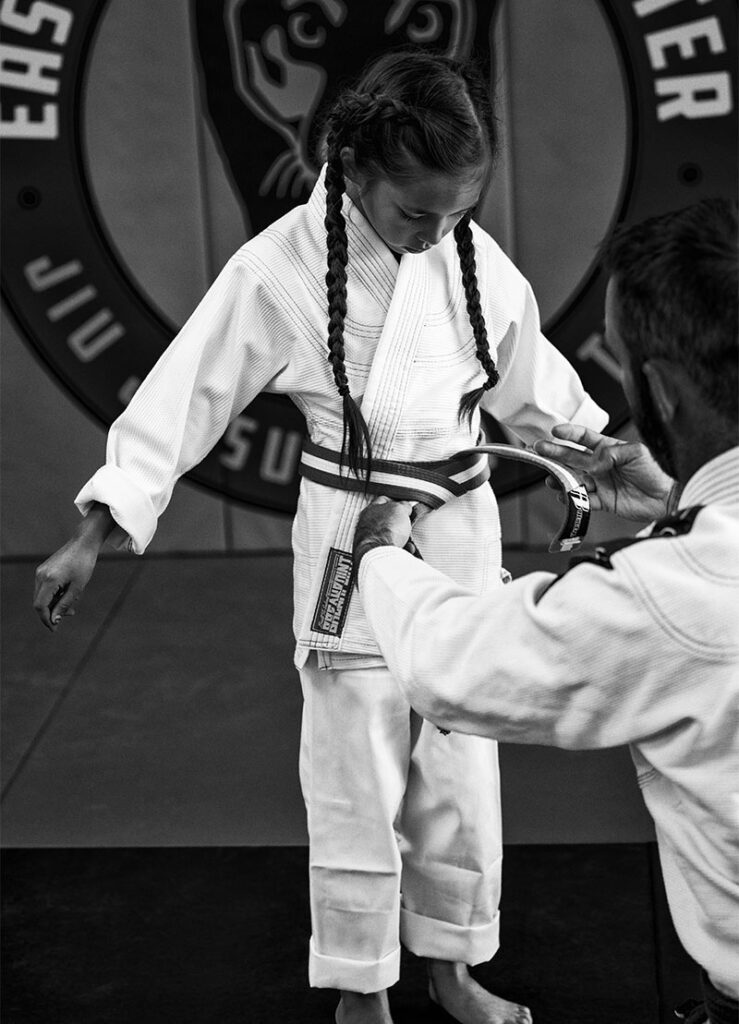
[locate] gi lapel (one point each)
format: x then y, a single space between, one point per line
387 384
382 408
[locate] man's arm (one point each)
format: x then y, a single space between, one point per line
567 662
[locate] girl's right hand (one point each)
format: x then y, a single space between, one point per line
62 578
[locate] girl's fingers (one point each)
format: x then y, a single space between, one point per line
58 612
53 600
48 611
47 594
65 605
57 596
44 613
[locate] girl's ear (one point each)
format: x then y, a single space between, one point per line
351 172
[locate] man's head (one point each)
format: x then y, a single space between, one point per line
671 318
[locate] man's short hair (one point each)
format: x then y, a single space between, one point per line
676 276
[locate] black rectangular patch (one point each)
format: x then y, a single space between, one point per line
336 588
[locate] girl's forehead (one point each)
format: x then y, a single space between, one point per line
436 193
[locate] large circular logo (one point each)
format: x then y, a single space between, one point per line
268 70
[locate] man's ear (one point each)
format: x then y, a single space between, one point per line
663 387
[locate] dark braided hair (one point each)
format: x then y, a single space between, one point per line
355 428
466 252
410 108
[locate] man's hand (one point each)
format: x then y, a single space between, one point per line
382 523
620 477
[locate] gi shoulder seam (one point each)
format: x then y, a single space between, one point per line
675 525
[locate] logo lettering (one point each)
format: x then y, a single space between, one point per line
695 95
333 600
34 71
88 340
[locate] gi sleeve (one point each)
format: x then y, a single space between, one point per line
538 387
563 663
220 360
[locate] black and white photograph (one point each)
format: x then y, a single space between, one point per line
369 512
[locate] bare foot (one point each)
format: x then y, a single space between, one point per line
356 1008
456 991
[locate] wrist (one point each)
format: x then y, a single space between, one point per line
95 527
361 549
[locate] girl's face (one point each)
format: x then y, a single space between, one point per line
415 214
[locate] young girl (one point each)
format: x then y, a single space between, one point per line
427 320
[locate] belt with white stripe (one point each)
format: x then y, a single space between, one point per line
434 483
574 524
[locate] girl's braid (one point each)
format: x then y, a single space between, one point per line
466 251
355 428
363 111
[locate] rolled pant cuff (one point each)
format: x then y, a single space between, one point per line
353 975
441 940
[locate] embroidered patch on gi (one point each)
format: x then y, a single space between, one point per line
336 588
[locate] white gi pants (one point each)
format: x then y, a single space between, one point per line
393 805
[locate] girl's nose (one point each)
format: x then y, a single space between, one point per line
435 232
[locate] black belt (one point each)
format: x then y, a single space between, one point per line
434 483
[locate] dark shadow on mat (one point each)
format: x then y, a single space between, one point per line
219 936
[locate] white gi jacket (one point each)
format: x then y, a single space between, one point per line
410 355
644 652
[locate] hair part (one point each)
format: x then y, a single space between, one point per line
410 107
676 280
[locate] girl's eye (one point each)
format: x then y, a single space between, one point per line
408 216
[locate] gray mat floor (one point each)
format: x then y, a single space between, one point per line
167 713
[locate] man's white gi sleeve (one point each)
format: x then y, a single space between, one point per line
536 661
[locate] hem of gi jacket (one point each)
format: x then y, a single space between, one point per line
441 940
353 975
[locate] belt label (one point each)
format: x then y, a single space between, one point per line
333 600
